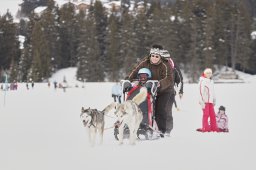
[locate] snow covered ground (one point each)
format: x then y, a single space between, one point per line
40 129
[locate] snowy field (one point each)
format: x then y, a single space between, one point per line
41 129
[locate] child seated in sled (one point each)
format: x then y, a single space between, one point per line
143 80
148 128
222 120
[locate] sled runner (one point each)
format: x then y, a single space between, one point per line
148 129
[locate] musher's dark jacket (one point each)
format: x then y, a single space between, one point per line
161 72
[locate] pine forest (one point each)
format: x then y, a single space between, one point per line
104 44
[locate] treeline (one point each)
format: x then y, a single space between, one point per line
104 45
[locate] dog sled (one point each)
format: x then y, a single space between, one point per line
148 129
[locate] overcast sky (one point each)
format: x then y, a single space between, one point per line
12 5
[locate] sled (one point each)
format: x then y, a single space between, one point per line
148 129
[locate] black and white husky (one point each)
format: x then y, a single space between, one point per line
94 121
128 113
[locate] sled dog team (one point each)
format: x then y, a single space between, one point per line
128 113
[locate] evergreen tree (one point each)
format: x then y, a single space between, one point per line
26 56
40 53
170 34
252 59
95 68
125 5
155 22
82 57
128 45
142 38
182 26
51 31
193 69
113 60
22 27
9 44
209 49
27 6
68 36
244 42
13 71
101 25
221 37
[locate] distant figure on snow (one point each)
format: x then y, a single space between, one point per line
117 92
27 86
32 84
64 84
55 85
49 84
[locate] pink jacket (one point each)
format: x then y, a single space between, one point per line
222 121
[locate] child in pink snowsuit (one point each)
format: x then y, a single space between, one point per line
222 120
207 101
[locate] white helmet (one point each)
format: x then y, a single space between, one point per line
145 71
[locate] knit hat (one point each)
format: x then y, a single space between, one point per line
156 49
222 108
208 71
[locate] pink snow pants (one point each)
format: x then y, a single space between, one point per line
208 112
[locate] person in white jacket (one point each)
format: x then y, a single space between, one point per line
207 101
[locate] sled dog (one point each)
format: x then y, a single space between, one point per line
130 114
93 120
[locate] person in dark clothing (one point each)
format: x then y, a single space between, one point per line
162 72
32 84
178 78
55 85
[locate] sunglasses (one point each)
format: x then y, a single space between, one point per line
156 56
